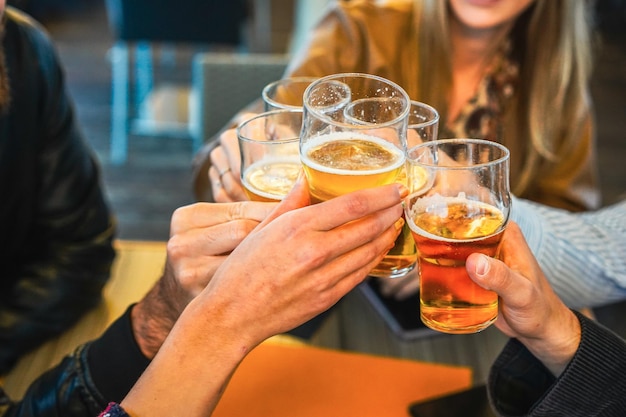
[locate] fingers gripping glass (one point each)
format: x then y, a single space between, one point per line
354 137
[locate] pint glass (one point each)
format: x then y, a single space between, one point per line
270 162
458 204
353 137
286 93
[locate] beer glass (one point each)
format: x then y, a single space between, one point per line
423 124
286 93
353 137
458 204
270 163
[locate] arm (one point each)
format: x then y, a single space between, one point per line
320 253
545 367
591 384
104 370
75 388
66 253
583 255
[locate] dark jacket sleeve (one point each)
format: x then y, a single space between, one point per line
87 380
61 228
593 384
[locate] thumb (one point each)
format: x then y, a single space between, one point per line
298 197
489 273
494 275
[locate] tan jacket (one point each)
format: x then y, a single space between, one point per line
362 36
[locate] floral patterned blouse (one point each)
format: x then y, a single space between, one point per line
481 115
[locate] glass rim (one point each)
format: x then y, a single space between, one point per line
427 123
338 77
268 100
504 158
265 114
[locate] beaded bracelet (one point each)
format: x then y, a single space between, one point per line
114 410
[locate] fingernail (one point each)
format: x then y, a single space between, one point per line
482 265
399 223
402 190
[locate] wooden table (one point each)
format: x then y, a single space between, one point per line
281 377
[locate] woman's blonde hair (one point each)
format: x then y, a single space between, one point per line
552 41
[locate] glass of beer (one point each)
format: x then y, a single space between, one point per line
286 93
423 123
458 204
270 162
354 137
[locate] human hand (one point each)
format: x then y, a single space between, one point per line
300 261
225 170
529 309
201 237
303 259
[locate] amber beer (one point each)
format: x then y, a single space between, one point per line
445 235
343 162
270 180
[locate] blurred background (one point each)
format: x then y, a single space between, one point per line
154 178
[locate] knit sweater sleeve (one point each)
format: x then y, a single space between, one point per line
593 384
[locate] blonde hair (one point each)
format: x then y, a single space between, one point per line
552 41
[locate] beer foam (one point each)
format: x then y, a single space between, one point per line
437 205
316 142
272 178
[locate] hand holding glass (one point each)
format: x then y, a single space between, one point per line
458 204
353 137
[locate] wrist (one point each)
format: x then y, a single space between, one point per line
151 320
556 348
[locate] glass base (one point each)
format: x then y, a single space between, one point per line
455 328
381 272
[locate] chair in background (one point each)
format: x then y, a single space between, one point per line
141 25
222 84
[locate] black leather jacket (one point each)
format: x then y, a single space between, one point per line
86 381
56 229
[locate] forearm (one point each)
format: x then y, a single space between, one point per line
204 344
52 294
583 255
558 344
519 384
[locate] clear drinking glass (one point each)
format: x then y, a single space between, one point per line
353 137
423 124
459 203
270 162
286 93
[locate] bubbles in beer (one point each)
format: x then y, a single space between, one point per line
456 218
351 151
272 179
